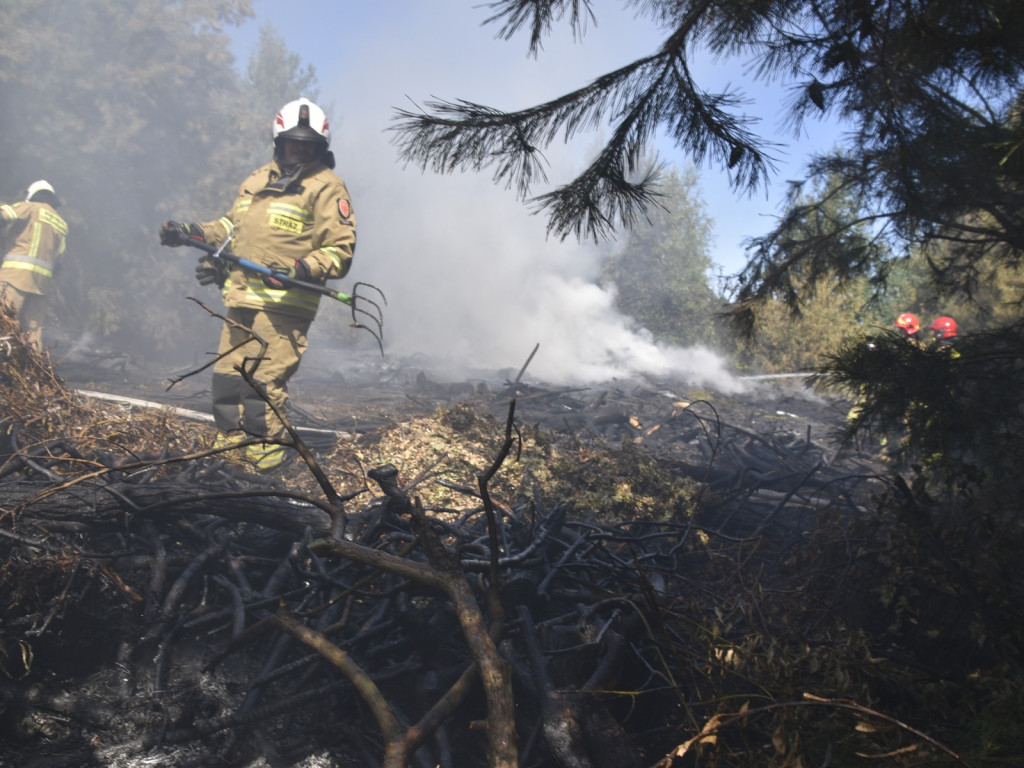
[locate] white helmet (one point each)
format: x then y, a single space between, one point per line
39 186
302 120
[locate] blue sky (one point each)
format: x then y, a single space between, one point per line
471 269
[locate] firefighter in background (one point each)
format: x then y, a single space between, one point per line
35 237
295 216
941 415
909 327
944 332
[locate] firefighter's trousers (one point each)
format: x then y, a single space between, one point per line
236 405
29 309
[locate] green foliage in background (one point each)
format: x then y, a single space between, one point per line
812 312
784 343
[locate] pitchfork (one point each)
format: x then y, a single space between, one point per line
357 302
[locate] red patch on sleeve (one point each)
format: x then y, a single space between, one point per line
344 208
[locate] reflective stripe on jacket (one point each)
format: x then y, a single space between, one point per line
40 237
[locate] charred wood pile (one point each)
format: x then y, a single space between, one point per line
162 605
768 478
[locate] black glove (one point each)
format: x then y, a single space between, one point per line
211 271
175 233
297 271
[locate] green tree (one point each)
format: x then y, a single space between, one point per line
273 76
810 312
662 271
784 343
276 75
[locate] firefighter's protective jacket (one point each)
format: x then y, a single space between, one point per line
277 220
39 237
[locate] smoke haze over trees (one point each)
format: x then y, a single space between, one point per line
133 115
136 113
662 270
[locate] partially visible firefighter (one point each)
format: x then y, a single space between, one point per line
939 416
295 216
944 332
34 237
909 327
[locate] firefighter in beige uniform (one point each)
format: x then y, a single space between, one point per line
39 236
295 216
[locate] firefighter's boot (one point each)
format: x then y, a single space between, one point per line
265 456
226 440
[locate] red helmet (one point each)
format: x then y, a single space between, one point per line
943 327
908 323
